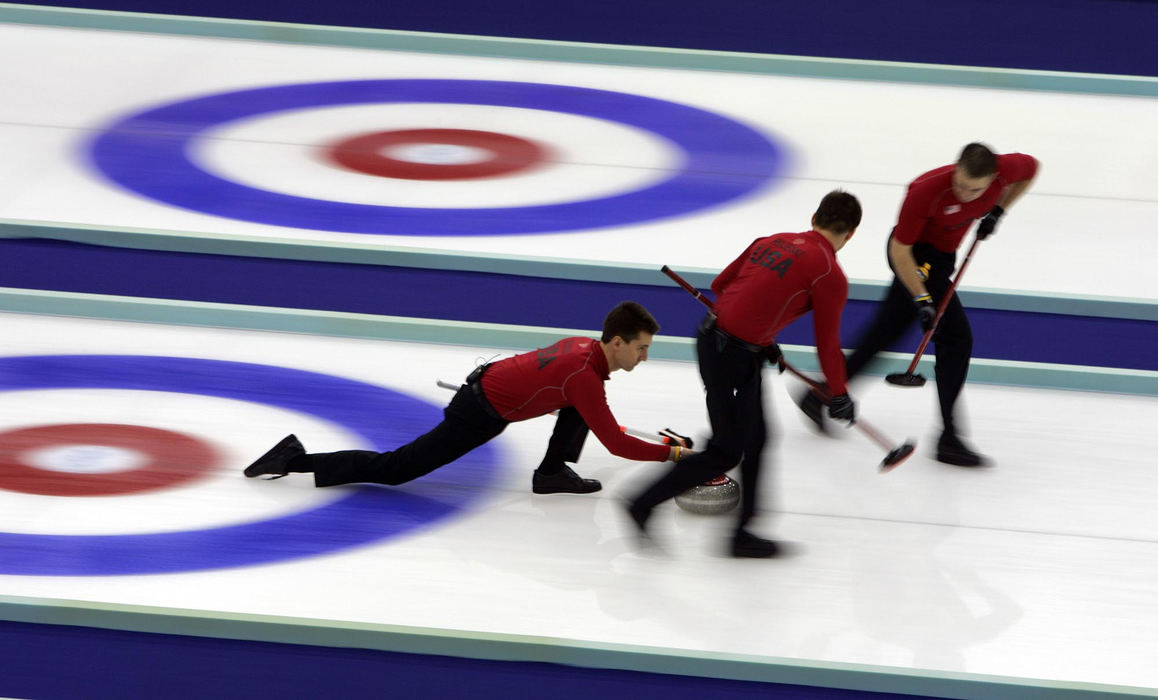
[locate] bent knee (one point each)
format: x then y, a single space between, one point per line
726 455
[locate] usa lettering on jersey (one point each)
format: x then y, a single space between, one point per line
776 255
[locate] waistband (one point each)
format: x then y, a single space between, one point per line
474 381
924 252
709 325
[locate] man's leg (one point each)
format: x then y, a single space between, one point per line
733 382
894 316
750 403
953 346
953 341
750 407
553 475
464 427
724 449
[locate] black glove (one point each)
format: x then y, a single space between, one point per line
841 407
772 352
926 311
989 222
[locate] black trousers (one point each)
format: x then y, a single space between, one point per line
953 338
566 441
468 422
733 381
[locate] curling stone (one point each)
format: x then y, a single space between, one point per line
719 495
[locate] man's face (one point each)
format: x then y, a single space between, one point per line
628 355
966 188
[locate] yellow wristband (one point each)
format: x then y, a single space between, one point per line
679 451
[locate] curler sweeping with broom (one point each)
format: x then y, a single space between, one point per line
922 252
775 281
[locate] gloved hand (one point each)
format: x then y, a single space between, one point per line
671 437
772 352
841 407
989 222
923 271
926 311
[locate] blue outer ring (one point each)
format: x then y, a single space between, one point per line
367 514
148 153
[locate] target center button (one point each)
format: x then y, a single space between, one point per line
86 459
438 154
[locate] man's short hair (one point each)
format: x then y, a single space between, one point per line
627 320
838 212
977 160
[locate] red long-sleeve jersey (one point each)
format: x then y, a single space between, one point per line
777 280
569 373
932 214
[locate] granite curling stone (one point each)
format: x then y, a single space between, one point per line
719 495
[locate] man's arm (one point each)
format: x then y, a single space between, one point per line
587 396
911 221
828 298
1026 167
905 266
1014 191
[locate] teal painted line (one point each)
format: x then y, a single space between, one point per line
521 648
1100 379
347 325
1062 303
422 330
1034 302
769 64
521 265
1005 372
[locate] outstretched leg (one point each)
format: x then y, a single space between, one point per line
465 426
894 316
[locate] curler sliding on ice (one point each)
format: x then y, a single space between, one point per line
565 378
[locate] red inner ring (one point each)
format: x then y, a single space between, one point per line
173 459
509 154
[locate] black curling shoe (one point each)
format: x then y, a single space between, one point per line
747 545
951 450
563 481
276 461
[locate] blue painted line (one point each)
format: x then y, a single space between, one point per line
123 664
358 516
458 295
1087 36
